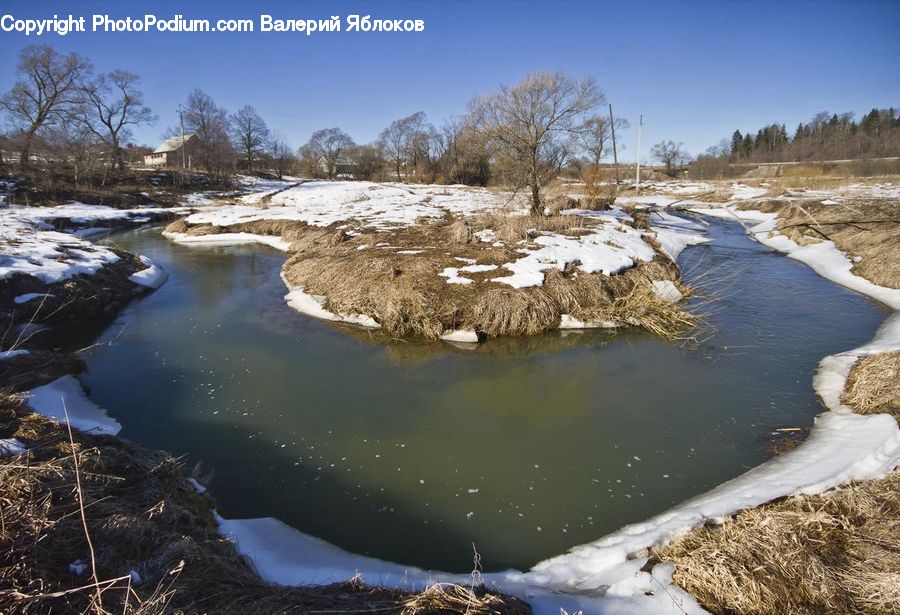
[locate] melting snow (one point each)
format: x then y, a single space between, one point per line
607 249
321 203
11 447
65 395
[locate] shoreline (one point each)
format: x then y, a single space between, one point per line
614 551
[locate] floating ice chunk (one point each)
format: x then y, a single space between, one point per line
460 335
570 322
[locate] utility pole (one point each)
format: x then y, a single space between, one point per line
637 178
181 121
612 127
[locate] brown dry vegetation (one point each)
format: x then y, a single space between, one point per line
873 385
833 553
408 297
79 300
866 230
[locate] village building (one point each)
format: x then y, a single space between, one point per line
173 152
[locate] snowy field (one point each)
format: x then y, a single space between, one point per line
30 245
321 203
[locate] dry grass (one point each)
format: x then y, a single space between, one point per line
81 299
834 553
867 230
873 385
366 273
37 368
511 229
450 598
406 295
142 514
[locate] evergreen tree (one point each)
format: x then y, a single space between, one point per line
736 140
747 145
870 122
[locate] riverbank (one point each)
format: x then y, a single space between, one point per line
833 552
96 523
457 263
564 575
119 527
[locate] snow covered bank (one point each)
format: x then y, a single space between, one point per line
49 256
675 233
314 305
823 257
152 277
229 239
65 396
321 203
30 246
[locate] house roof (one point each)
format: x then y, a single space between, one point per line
172 144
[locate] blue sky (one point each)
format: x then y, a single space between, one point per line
695 70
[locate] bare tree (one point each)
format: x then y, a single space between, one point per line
250 134
400 140
209 124
670 154
528 123
283 158
326 147
113 103
368 161
596 133
45 94
463 156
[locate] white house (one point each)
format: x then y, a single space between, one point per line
169 153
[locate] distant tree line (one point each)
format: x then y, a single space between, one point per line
827 136
65 117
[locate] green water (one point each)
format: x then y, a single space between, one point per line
413 452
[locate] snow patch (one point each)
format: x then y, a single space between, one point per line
742 192
229 239
11 447
314 305
570 322
607 249
29 296
152 277
460 335
667 291
65 395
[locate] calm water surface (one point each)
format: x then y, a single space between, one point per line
413 452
